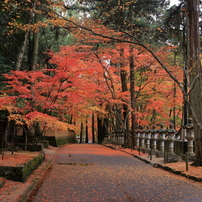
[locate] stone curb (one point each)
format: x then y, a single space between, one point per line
181 173
37 181
167 168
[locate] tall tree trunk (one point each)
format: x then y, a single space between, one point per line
174 107
35 44
195 70
102 128
86 130
4 139
132 79
3 125
132 94
70 119
12 134
81 133
23 47
124 89
21 52
93 128
35 47
123 81
185 113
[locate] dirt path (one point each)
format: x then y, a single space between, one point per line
91 172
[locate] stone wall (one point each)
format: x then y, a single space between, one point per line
57 138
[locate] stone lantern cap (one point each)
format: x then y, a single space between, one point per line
162 129
141 128
118 130
148 130
171 130
190 124
137 129
153 130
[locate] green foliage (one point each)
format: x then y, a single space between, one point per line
4 68
3 115
140 18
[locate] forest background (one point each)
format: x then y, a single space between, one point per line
114 64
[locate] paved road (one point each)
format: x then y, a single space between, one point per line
94 173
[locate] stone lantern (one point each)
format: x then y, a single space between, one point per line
171 156
171 139
147 139
154 137
142 138
162 137
137 137
119 133
190 137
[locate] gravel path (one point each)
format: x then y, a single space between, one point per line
91 172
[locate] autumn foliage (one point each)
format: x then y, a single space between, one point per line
85 80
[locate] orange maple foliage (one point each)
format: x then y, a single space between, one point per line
87 78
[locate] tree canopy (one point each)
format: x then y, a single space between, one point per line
62 59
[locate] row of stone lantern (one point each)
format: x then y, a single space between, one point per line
146 141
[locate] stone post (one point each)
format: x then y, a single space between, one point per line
171 156
171 139
190 137
162 137
147 139
142 139
137 137
154 137
120 136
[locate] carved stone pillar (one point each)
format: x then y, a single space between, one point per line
171 156
162 137
137 137
190 137
142 138
147 139
154 137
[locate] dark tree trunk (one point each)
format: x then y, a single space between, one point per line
21 52
12 134
102 128
86 130
124 89
132 80
35 44
194 66
93 128
123 82
132 94
81 133
5 135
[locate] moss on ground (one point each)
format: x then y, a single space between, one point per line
23 171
